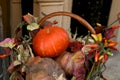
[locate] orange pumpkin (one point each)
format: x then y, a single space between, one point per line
50 41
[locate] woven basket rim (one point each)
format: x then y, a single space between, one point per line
72 15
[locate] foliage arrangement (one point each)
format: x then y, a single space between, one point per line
80 58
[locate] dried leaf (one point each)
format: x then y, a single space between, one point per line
109 33
8 42
16 76
60 77
23 53
13 65
29 18
7 51
78 57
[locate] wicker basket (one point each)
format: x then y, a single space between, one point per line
78 18
69 14
41 22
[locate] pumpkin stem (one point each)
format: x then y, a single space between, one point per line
48 30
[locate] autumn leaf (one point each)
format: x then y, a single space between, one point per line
8 42
29 18
109 33
13 65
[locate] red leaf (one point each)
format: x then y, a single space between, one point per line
109 33
7 51
99 29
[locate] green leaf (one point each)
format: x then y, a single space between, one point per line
32 26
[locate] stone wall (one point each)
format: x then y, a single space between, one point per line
115 9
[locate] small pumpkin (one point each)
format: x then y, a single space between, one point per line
50 41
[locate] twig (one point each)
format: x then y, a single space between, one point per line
114 21
88 77
31 53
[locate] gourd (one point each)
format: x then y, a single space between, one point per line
50 41
71 61
43 69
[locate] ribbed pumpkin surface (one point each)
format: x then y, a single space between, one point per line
50 41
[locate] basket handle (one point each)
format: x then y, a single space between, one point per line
80 19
